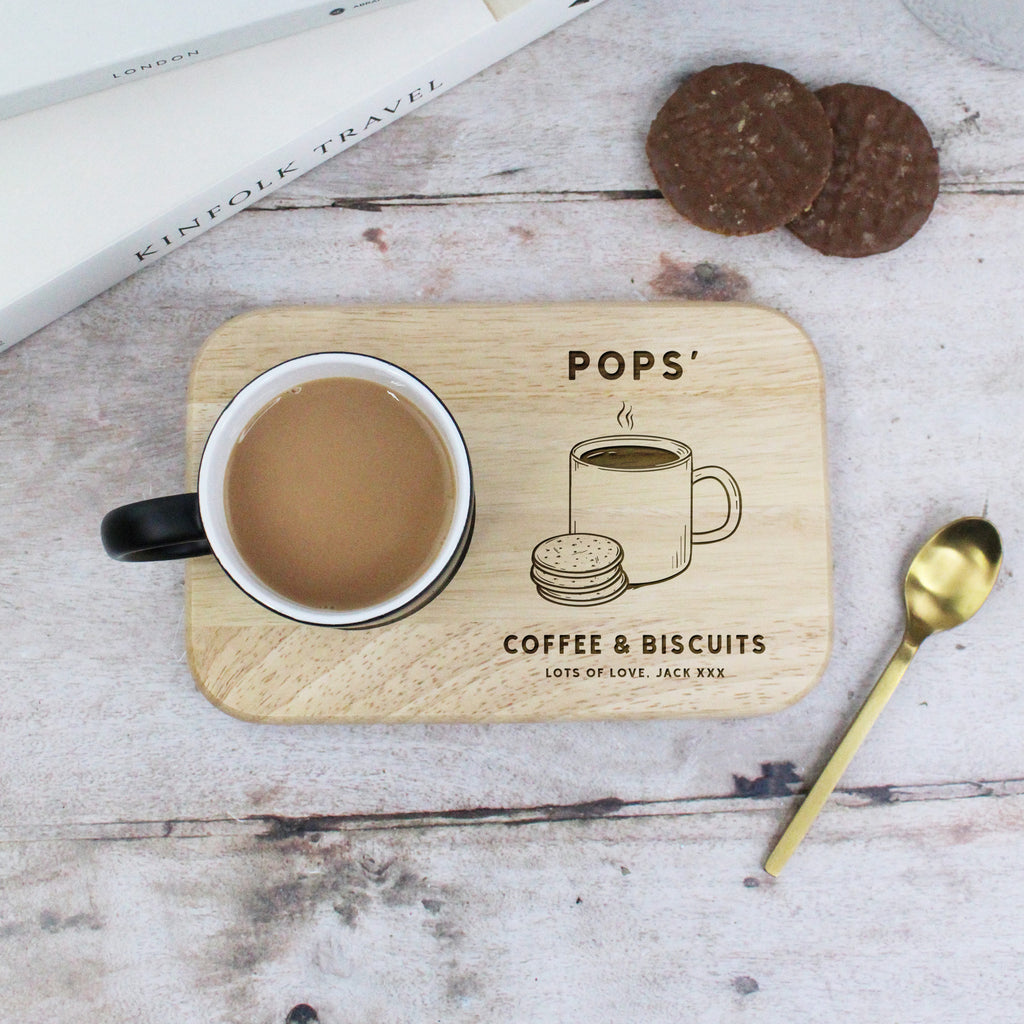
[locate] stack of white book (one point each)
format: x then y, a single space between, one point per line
98 186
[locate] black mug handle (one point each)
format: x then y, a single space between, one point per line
155 530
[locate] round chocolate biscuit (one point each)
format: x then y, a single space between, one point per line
740 148
884 178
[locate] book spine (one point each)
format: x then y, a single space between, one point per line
175 227
177 54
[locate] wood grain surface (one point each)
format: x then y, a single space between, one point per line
743 629
160 859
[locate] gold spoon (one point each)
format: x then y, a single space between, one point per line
947 582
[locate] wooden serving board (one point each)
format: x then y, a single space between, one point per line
745 629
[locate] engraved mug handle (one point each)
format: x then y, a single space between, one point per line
732 492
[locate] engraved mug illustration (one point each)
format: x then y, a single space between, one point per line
639 490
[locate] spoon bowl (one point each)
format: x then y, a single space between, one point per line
947 582
951 576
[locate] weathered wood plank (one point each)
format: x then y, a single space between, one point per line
571 111
911 909
775 780
920 350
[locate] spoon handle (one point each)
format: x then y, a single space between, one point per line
830 775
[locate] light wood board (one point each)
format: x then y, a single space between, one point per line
744 629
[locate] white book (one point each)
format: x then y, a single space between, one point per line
60 49
99 187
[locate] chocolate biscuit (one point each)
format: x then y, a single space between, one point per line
884 178
740 148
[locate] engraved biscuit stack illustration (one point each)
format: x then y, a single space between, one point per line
579 569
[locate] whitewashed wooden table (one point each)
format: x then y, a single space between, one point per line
162 861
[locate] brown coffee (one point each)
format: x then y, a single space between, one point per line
339 493
629 456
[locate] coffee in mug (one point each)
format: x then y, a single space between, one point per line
352 518
334 489
617 455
